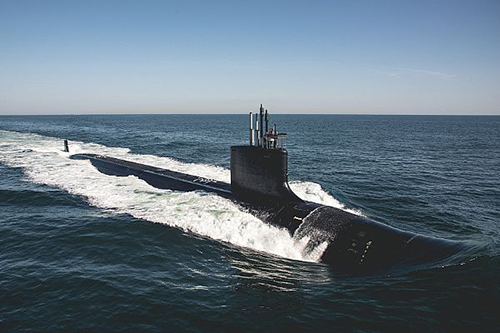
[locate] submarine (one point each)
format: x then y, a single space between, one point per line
259 184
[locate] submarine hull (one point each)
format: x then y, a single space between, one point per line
353 243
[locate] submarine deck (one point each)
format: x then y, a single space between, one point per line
157 177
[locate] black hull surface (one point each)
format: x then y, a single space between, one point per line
354 243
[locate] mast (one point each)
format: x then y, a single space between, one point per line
261 126
251 130
256 128
267 121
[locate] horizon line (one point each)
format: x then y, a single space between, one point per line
239 113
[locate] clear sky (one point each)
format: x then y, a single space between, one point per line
353 56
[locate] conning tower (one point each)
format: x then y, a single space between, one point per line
259 171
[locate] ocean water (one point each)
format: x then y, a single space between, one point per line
83 251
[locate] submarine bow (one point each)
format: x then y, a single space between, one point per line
259 183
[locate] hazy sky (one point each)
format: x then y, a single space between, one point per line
389 57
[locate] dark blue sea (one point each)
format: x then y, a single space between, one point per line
81 251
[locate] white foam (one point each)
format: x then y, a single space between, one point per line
43 161
314 192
